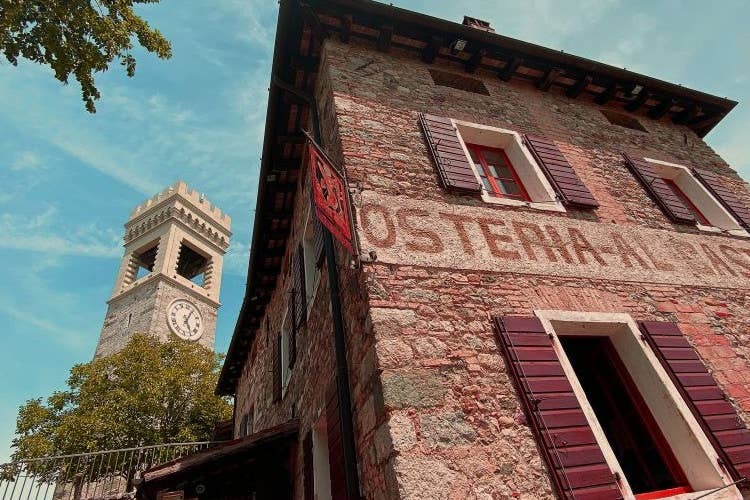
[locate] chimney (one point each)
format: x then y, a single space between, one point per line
473 22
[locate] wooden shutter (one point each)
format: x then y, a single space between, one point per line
277 369
335 446
291 324
454 168
661 193
565 181
301 287
564 436
317 240
718 418
731 202
308 466
243 426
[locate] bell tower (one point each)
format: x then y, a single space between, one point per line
170 274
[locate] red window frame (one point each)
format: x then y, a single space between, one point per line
478 149
687 202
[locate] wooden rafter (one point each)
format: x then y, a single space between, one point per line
476 58
579 86
607 94
638 101
384 40
548 78
432 49
661 109
511 65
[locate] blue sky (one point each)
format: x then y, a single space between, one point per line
69 179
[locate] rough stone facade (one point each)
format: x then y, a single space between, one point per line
166 223
436 415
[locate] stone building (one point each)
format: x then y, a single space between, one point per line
170 274
550 297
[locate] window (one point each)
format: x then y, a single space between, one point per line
623 120
321 460
145 259
507 171
192 265
709 213
641 423
286 336
457 81
689 204
629 426
498 176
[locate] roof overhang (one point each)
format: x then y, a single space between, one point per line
300 30
252 456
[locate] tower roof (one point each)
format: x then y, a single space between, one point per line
181 190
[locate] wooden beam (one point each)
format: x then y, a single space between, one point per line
661 109
705 121
473 63
690 112
607 94
579 86
432 49
638 101
511 65
312 20
294 139
305 63
346 28
549 76
384 40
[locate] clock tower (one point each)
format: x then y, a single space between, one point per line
170 274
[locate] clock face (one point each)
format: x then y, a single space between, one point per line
185 320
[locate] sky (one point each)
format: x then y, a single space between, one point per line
68 179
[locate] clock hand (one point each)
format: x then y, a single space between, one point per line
187 318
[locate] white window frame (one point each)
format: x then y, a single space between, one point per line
312 271
321 460
683 433
540 191
721 220
286 372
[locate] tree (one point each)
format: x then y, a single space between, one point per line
77 37
148 393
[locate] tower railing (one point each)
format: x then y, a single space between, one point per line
101 475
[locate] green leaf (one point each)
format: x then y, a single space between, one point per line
77 37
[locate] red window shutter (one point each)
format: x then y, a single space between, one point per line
731 202
454 168
565 181
564 436
335 446
709 404
277 369
662 194
307 465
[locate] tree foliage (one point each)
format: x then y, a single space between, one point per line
148 393
77 37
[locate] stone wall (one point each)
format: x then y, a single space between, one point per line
436 415
144 310
454 422
312 378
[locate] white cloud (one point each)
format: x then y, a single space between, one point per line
236 258
42 232
27 160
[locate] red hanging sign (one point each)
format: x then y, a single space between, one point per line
330 196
